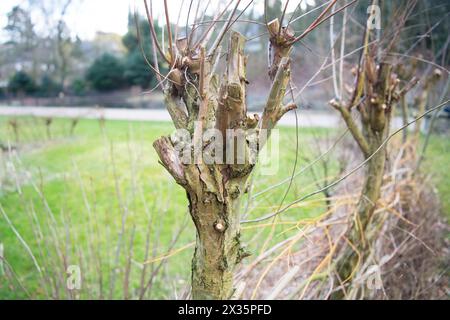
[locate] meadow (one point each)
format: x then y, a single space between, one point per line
92 194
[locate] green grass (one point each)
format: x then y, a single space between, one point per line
90 182
97 190
437 163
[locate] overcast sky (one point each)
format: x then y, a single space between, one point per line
86 17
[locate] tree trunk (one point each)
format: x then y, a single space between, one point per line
214 201
372 184
375 115
375 94
218 249
370 194
200 104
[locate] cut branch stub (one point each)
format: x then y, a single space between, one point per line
232 110
169 159
280 44
174 107
182 45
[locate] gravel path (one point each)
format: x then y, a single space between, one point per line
306 118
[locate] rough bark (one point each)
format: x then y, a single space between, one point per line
280 44
214 207
370 194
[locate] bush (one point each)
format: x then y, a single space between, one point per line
78 87
21 83
137 72
106 73
48 87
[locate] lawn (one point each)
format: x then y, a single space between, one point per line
97 198
436 162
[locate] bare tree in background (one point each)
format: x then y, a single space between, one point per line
54 13
375 94
61 43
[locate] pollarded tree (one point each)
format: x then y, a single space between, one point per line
377 90
207 109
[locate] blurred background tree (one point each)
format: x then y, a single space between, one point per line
48 87
21 83
106 73
137 72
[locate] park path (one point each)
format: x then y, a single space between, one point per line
306 118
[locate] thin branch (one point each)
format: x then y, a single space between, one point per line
341 64
169 29
203 39
236 20
152 30
187 20
316 23
422 60
333 56
282 17
178 21
192 34
139 38
224 30
293 14
266 21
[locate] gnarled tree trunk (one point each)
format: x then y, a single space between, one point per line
378 84
214 207
198 103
